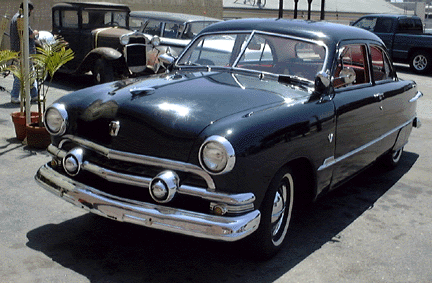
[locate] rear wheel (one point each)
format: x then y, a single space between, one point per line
276 209
392 159
102 71
420 62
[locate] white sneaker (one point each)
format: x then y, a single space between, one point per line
15 100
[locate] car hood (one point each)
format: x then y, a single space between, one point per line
163 115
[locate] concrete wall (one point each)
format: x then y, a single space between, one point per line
41 16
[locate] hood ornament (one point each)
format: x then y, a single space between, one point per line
114 128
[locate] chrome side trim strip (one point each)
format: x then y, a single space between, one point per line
233 199
332 161
143 159
416 97
185 222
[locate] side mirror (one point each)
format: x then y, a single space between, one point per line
322 81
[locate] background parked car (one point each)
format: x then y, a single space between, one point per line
175 30
404 37
99 35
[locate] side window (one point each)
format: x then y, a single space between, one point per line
351 58
367 23
136 23
381 69
69 18
410 26
171 30
383 25
153 27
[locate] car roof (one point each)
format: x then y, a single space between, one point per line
320 31
391 16
91 5
175 17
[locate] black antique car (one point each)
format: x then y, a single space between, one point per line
255 118
98 33
175 30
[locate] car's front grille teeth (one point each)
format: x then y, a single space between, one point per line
136 55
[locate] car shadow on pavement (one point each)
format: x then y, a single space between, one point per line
103 250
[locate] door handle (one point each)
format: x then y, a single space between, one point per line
379 96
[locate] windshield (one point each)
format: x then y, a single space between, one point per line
260 52
92 19
193 28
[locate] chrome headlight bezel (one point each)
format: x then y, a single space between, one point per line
220 146
124 39
155 41
56 119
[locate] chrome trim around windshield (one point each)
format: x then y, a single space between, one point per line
224 228
252 33
330 161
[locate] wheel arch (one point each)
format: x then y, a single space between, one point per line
305 179
105 53
413 50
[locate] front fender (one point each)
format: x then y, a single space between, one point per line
106 53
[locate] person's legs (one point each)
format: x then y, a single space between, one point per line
33 92
15 93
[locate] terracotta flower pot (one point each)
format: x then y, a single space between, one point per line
37 137
19 120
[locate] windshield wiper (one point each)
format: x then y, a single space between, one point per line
289 79
190 63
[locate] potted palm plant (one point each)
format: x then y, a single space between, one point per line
18 117
50 57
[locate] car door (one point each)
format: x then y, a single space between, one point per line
358 111
66 24
394 95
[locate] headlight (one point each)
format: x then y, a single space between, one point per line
56 119
155 41
124 39
217 155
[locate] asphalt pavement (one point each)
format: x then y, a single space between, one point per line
376 228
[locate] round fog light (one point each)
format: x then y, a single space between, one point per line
164 186
72 161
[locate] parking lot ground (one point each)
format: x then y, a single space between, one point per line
376 228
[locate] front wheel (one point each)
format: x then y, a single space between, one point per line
276 209
420 62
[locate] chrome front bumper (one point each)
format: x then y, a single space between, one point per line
191 223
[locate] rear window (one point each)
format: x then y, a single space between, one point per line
410 25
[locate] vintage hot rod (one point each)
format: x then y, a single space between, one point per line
99 35
254 118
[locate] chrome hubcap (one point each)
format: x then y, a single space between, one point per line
282 208
420 62
279 204
396 155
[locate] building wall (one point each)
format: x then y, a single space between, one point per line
41 16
